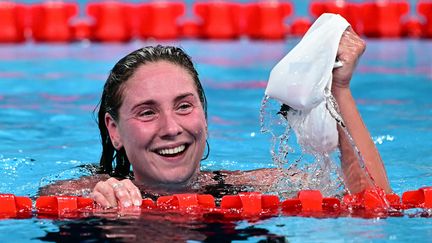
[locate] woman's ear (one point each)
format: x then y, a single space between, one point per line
114 134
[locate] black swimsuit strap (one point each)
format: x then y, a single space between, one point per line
219 177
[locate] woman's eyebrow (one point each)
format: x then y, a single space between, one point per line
182 96
154 102
142 103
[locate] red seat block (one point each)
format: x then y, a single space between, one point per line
12 21
113 21
350 11
265 20
51 21
160 19
82 29
383 18
189 29
220 19
412 27
300 26
425 8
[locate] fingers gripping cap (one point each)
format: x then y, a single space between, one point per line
302 80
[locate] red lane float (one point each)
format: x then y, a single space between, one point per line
13 20
310 201
160 19
63 205
12 206
424 8
220 19
372 199
247 205
265 20
51 21
113 21
350 11
421 198
383 18
185 201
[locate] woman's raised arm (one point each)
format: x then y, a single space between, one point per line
351 47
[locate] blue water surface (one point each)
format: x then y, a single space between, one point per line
47 127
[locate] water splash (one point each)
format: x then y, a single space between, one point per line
279 129
304 169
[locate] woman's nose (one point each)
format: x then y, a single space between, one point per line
170 126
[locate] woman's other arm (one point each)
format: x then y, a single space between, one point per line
106 191
78 187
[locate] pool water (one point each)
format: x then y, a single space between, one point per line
48 130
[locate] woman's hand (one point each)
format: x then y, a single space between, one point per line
113 193
351 47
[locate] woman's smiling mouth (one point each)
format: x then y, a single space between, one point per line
171 152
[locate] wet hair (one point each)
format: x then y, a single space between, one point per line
112 161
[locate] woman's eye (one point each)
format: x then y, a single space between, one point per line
146 114
185 108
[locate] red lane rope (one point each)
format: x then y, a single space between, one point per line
310 203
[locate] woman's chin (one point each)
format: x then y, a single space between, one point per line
177 179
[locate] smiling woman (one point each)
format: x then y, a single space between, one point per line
162 85
153 119
161 124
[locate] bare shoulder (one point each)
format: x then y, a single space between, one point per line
78 187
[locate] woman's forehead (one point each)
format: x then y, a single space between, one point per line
159 79
151 67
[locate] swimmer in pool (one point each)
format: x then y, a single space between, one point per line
153 117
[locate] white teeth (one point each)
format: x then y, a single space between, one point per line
171 151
